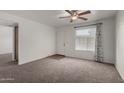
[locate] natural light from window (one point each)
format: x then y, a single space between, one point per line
85 38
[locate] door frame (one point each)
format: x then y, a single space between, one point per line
16 43
15 55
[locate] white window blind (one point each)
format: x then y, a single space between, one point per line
85 38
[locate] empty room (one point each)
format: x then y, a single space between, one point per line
61 46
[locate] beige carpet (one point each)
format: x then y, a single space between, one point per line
60 70
6 60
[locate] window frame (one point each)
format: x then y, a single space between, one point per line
86 27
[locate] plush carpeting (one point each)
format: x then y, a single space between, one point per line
60 70
6 60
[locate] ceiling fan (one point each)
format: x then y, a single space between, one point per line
75 14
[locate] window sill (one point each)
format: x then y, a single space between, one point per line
85 50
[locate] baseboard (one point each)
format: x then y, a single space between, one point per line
29 61
119 72
90 60
60 54
109 61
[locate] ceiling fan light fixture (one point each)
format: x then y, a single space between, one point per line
75 14
74 17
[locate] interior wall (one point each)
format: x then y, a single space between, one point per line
35 40
120 43
6 40
66 35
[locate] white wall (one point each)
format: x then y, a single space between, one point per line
35 40
6 39
68 34
120 43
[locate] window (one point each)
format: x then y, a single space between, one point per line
85 38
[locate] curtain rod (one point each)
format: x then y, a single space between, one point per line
87 25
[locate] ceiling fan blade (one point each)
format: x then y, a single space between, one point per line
74 10
82 18
65 17
83 13
69 12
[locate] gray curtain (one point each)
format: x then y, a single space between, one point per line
99 57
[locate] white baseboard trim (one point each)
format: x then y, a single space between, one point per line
28 61
119 71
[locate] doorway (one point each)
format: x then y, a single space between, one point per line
8 45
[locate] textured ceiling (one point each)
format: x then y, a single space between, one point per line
50 17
